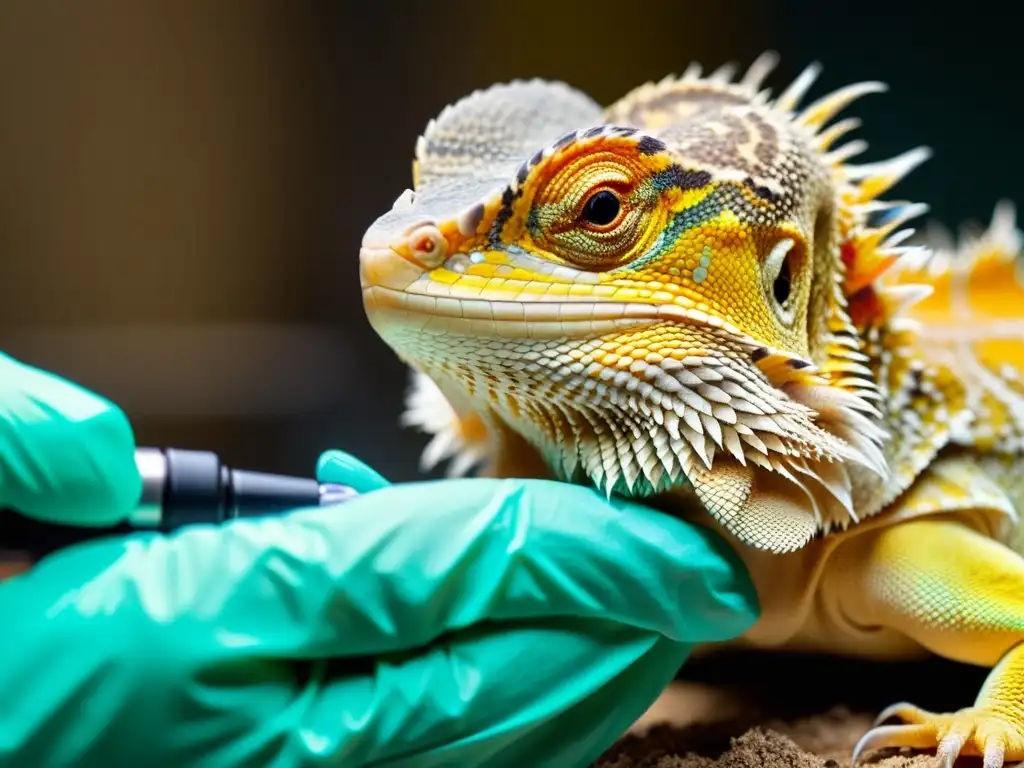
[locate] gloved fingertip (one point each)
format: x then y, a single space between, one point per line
69 453
339 467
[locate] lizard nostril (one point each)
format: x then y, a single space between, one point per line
428 244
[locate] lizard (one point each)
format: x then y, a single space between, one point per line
694 297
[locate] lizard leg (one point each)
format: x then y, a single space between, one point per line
959 594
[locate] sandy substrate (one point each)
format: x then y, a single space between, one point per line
787 711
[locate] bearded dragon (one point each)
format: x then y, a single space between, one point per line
694 297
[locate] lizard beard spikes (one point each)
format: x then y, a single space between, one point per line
712 421
732 419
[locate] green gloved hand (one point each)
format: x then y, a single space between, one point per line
66 455
452 623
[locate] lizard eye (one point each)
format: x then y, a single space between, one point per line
596 211
602 209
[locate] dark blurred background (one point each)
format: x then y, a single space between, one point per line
183 185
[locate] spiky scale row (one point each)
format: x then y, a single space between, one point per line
969 330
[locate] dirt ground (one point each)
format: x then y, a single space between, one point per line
787 712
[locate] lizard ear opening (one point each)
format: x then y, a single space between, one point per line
782 287
782 273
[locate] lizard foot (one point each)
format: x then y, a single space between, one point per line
986 732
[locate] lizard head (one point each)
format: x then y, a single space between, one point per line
654 295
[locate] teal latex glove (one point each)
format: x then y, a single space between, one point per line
66 455
454 623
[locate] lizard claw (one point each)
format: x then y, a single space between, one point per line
885 736
894 710
977 731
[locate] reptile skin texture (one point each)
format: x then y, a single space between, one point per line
694 297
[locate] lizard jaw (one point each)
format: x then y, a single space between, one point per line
578 319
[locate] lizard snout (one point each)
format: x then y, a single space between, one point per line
396 265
